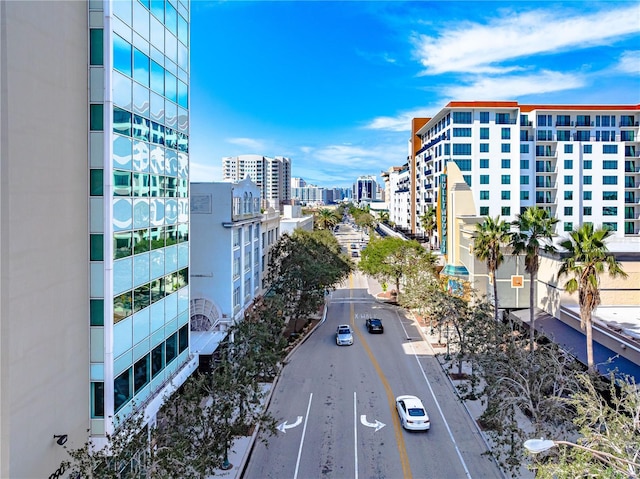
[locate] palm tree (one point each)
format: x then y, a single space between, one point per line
326 218
429 223
490 236
383 216
588 257
535 230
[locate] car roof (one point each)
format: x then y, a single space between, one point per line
375 320
344 326
410 401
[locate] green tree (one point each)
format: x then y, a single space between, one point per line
587 257
390 258
326 218
490 237
429 223
535 231
383 216
303 267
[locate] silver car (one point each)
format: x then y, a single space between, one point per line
344 335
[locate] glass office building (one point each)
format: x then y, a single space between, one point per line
138 204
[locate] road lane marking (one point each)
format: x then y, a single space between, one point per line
377 425
402 450
284 426
355 434
455 444
304 430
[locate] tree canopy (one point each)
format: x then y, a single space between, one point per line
391 258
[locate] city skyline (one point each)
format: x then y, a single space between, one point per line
334 85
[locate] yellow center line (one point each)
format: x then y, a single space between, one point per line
402 450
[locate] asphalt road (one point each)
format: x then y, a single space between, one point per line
336 404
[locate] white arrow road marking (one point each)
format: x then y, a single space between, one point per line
284 426
378 425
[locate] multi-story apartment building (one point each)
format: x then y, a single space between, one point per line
272 175
94 253
579 162
398 188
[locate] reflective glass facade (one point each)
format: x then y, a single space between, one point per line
139 200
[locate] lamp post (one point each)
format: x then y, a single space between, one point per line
448 356
536 446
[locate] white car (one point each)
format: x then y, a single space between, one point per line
344 335
413 415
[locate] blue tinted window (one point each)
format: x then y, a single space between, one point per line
157 78
463 117
183 97
462 148
568 148
121 55
171 86
140 67
484 117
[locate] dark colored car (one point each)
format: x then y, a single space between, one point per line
374 325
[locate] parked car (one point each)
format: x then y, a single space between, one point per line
354 246
413 415
354 254
374 325
344 335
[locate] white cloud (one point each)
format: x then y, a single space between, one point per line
479 48
251 143
512 87
402 121
629 62
203 172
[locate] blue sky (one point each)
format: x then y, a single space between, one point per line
334 85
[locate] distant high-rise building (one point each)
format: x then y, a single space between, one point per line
298 183
94 223
271 175
365 189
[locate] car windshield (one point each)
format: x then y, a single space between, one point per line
344 331
375 322
415 411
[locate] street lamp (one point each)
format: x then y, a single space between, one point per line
536 446
448 356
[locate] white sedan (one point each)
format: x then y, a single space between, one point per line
413 415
